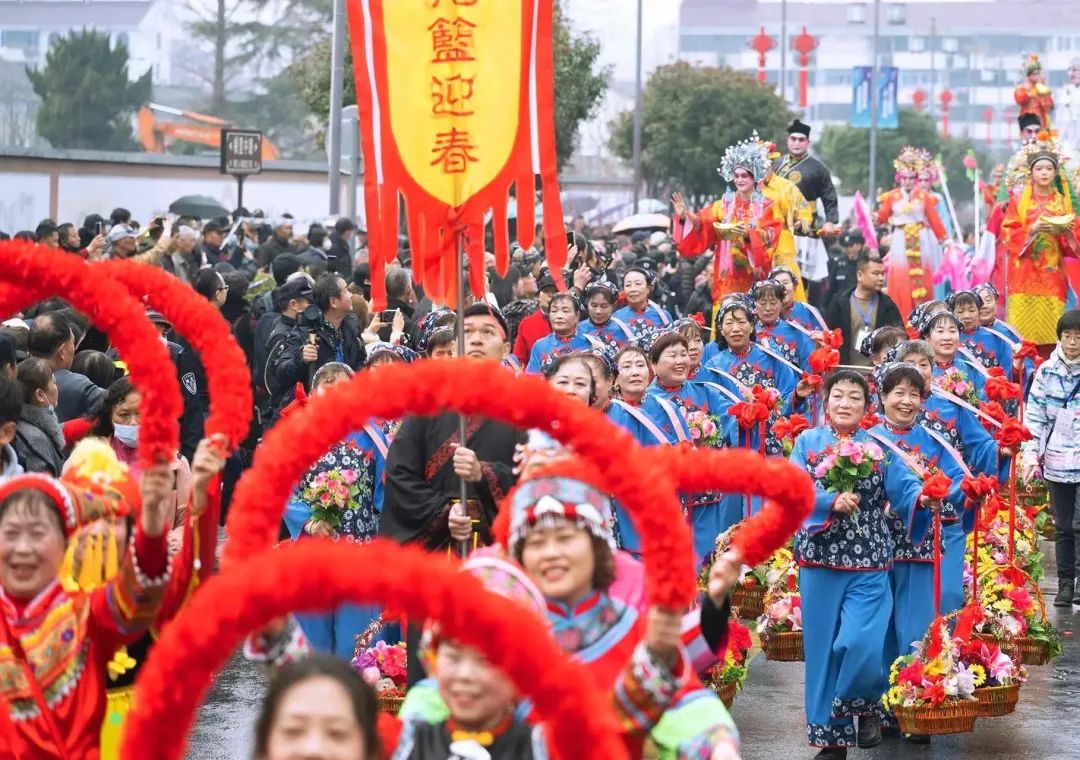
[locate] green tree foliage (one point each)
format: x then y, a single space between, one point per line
87 100
579 83
846 150
690 115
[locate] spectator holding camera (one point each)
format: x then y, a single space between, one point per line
328 333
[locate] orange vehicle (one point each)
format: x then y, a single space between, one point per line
156 136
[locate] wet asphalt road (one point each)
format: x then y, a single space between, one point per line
769 712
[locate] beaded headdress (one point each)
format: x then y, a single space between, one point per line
910 159
750 154
1032 64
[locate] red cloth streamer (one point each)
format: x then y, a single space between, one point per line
787 490
635 477
934 648
319 575
32 272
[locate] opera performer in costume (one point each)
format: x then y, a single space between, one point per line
742 228
1039 231
1068 115
815 183
56 644
917 233
844 551
1032 95
796 213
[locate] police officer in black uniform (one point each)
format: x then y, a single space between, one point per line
843 260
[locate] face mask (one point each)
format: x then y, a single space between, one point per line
127 434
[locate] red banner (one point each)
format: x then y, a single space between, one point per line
456 105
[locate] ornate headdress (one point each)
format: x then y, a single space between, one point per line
910 159
1032 64
750 154
1045 146
546 500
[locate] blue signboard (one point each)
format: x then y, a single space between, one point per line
888 110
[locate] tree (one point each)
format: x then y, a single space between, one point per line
579 83
87 100
846 151
689 116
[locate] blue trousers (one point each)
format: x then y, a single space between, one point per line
845 621
335 632
913 608
708 521
953 547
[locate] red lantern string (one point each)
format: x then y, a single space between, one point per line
319 575
32 272
788 492
631 473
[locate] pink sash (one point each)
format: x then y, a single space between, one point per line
649 425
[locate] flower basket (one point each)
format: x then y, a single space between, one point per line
995 701
1008 646
1032 651
950 717
785 646
390 703
750 602
727 694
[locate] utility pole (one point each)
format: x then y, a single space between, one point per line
933 63
337 89
783 50
874 104
637 114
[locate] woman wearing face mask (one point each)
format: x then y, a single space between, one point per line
560 534
318 708
360 461
780 336
902 390
612 333
844 551
1051 416
1039 231
39 439
644 318
564 338
985 347
751 226
118 422
711 512
952 373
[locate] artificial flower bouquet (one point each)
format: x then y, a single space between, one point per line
845 464
383 667
331 493
780 626
956 382
728 676
749 593
997 677
705 429
1014 619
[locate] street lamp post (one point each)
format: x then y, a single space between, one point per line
874 102
337 90
637 116
783 49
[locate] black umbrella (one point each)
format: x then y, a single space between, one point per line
201 206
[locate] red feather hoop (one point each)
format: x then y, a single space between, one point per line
197 320
472 387
32 272
788 492
319 575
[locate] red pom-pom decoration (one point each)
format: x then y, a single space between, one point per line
822 360
1012 434
320 575
815 381
833 338
936 486
1000 390
631 473
790 427
869 420
749 414
227 374
787 490
33 272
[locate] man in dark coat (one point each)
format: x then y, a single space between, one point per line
862 309
340 255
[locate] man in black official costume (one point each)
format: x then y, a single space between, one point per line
814 181
427 458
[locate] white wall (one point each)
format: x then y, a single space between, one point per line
24 201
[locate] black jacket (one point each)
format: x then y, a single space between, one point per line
409 313
839 315
270 333
39 441
814 181
271 249
289 367
339 257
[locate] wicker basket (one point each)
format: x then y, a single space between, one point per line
727 693
783 647
750 602
1008 646
391 705
995 701
1032 652
947 718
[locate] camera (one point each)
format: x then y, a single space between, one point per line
311 317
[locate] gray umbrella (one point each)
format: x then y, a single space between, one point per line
202 206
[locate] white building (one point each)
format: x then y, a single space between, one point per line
975 48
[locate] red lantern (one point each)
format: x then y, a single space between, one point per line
804 44
919 99
946 100
761 43
988 117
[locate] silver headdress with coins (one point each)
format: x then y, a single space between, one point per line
749 154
